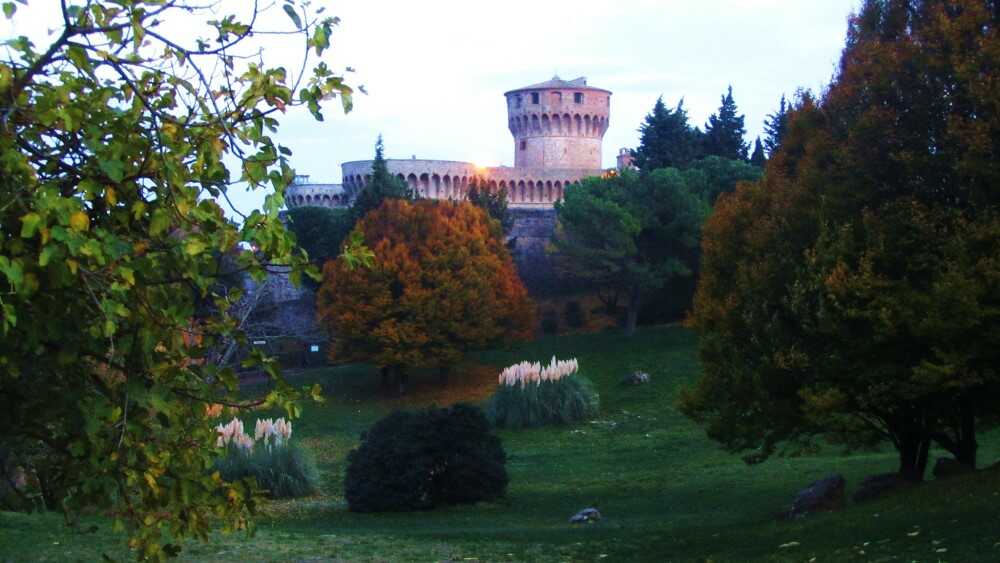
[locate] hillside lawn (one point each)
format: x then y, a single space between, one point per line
667 493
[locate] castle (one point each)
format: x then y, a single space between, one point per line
558 128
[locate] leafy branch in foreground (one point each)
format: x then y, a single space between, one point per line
114 246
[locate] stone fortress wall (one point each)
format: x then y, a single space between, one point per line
558 127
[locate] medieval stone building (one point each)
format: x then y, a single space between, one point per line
558 128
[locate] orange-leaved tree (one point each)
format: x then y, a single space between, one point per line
442 283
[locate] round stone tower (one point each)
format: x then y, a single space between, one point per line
558 124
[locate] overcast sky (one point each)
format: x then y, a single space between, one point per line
436 70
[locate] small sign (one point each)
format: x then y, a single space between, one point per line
314 348
259 342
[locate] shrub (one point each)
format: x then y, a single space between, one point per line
550 322
280 468
419 460
530 395
574 314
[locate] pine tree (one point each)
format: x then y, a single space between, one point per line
666 139
774 128
381 186
725 131
758 158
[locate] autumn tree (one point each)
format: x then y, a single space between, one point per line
631 234
114 146
852 293
442 283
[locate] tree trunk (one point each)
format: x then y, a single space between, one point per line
403 379
632 317
913 450
967 445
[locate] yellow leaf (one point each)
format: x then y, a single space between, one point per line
79 221
73 265
110 196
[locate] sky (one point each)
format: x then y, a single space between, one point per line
435 70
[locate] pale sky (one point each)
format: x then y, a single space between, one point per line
436 70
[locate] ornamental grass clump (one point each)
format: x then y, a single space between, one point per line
530 395
281 469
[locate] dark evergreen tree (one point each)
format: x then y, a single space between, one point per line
493 202
758 158
666 140
382 185
725 131
774 128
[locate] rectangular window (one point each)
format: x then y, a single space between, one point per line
578 97
524 145
556 97
517 101
534 97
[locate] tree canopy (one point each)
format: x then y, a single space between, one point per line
666 139
852 293
379 187
631 233
774 128
320 231
442 283
113 154
725 131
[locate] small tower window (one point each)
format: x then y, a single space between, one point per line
524 145
556 97
534 97
517 101
578 97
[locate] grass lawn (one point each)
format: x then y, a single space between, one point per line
666 492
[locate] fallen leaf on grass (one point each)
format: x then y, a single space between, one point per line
789 544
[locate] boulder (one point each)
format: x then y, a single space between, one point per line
636 378
879 485
949 467
585 516
823 495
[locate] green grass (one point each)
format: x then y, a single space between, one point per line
667 493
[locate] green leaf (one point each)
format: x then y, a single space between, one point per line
115 169
8 9
193 247
160 222
293 16
29 225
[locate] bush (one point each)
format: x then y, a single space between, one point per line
419 460
530 395
574 314
550 322
280 468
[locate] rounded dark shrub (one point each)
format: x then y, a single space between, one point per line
416 460
574 314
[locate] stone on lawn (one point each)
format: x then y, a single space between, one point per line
586 515
823 495
876 486
636 378
950 467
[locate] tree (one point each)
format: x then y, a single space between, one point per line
848 295
442 283
758 158
774 128
725 131
493 202
112 239
666 140
381 186
631 233
320 231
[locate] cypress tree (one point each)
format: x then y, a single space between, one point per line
758 158
381 186
666 140
774 128
725 131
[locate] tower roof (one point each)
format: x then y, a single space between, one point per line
556 83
